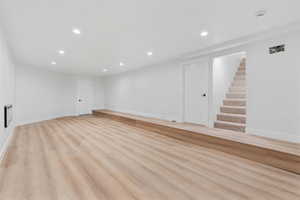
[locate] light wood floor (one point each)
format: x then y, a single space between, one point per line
277 145
91 158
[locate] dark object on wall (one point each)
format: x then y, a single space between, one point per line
7 115
277 49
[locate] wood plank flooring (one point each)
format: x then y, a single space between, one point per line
275 153
92 158
276 145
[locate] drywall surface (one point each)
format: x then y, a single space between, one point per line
99 93
43 95
273 83
7 89
153 92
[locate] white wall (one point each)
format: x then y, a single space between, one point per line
7 89
224 69
99 93
42 95
153 91
274 88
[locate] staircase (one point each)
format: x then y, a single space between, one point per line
233 112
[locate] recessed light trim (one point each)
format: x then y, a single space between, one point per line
260 13
61 52
53 63
121 64
149 53
76 31
204 33
105 70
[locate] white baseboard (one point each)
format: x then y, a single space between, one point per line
289 137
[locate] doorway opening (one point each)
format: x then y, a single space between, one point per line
196 79
230 92
85 96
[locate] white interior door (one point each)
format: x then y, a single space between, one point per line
85 96
196 91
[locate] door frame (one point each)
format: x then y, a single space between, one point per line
207 59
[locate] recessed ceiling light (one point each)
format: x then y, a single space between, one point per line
105 70
76 31
204 33
61 52
260 13
53 63
121 64
149 53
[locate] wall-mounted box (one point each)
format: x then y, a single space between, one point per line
8 115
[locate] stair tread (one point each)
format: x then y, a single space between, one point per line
236 92
232 115
233 106
239 92
242 82
235 96
237 87
244 99
230 123
237 100
231 99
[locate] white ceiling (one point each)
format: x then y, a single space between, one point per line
115 31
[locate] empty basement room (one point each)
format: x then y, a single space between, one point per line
149 100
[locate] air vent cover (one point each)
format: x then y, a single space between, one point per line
277 49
